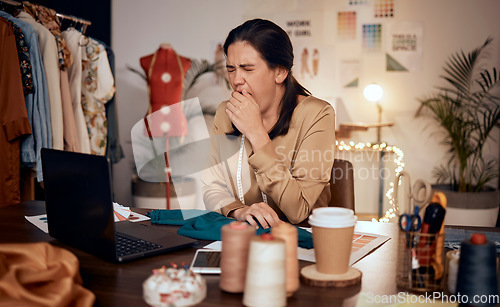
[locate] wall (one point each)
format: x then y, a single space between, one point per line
138 28
193 27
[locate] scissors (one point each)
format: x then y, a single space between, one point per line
419 196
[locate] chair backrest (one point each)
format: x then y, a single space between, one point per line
341 187
342 184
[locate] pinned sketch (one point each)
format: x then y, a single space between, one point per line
393 65
346 25
384 8
404 46
303 27
315 67
314 60
349 73
372 37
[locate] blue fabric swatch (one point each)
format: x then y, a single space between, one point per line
206 225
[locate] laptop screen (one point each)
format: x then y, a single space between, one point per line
78 197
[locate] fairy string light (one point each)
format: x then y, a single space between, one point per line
398 161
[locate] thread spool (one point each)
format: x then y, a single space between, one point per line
236 238
477 271
453 258
265 281
440 198
289 234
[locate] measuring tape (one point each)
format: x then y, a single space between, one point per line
238 174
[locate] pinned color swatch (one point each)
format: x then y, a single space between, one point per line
372 37
384 8
357 2
346 25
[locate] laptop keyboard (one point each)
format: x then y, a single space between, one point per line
126 245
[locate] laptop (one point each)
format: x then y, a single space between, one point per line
79 205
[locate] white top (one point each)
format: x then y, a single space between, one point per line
75 40
48 49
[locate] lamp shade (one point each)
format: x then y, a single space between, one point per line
373 92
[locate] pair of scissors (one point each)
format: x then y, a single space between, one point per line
419 196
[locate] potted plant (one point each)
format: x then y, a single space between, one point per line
467 110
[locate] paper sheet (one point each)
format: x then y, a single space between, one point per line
120 214
39 221
362 245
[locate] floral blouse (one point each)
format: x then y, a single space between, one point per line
24 60
97 89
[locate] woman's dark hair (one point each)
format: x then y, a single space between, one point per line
275 48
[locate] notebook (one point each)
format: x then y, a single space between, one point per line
79 205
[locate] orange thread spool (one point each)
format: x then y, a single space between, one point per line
236 238
289 234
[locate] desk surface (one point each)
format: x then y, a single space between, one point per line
121 284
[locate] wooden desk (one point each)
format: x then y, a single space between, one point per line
121 284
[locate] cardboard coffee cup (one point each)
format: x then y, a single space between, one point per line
332 229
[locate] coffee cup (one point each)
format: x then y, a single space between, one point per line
333 230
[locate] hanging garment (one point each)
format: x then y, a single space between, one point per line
97 89
13 117
24 59
48 49
47 17
37 104
71 141
75 40
114 150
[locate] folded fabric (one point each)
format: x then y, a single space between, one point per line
206 225
39 274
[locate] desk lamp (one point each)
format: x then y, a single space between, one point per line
374 92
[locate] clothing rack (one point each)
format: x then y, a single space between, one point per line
12 3
82 21
11 7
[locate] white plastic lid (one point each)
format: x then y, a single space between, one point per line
332 217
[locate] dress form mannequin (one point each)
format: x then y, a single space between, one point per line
165 71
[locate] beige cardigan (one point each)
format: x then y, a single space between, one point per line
293 170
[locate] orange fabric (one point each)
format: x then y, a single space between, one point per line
39 274
14 121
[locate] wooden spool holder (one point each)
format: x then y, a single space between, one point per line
310 276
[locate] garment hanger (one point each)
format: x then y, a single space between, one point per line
75 21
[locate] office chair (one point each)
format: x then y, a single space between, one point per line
342 185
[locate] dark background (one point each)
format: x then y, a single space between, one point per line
96 11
